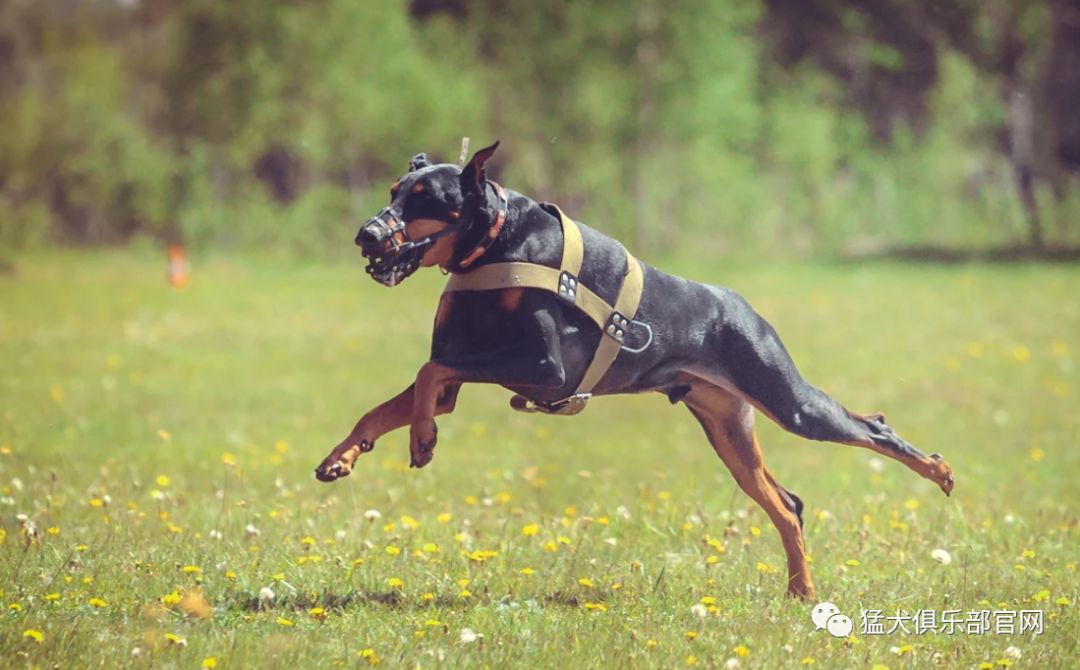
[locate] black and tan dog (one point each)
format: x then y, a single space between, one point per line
557 312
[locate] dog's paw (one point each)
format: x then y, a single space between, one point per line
339 463
942 474
422 445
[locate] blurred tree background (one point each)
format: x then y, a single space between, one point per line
774 127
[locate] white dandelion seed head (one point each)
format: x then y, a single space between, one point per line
941 556
135 652
623 512
372 515
1012 653
339 535
468 636
1009 519
732 664
876 464
251 530
612 541
699 610
216 534
266 594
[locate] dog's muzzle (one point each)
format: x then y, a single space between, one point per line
392 255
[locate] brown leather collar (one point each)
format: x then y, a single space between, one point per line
493 232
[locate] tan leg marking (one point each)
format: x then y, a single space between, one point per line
728 422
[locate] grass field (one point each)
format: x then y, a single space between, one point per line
162 444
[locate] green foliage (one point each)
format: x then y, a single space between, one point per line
669 125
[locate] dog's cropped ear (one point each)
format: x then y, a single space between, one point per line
418 161
473 174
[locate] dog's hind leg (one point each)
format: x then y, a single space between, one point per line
755 363
729 424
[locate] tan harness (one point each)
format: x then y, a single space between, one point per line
613 320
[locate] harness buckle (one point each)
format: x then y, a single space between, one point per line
616 327
568 288
568 406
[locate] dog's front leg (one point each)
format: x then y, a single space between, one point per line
509 367
394 413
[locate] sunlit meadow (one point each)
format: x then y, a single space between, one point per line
158 506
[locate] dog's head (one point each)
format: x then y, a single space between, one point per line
433 210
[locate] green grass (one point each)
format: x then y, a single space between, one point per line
136 419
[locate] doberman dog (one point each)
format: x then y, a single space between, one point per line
698 344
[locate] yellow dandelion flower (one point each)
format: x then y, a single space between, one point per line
1028 553
317 612
33 634
712 560
551 546
96 502
808 661
50 597
81 547
428 597
912 504
596 607
708 600
852 562
530 529
307 541
230 575
15 607
502 497
465 593
527 571
170 599
763 568
691 660
755 531
650 643
282 621
741 651
1063 601
228 459
586 582
395 583
1041 595
369 655
1021 354
392 550
471 500
192 569
562 539
431 548
463 582
691 634
163 481
1037 454
444 517
173 638
410 522
358 561
210 662
97 602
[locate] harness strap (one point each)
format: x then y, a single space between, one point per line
613 321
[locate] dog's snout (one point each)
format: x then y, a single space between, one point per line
370 236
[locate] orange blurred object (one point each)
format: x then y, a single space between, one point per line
179 271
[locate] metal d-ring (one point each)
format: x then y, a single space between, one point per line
647 342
